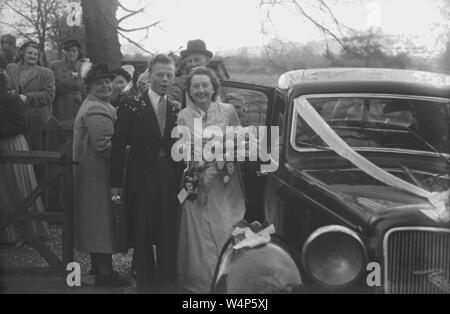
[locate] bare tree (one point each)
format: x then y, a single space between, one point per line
45 22
103 30
318 12
36 17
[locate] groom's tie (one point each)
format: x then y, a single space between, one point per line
161 115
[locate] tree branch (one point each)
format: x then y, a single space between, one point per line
130 15
27 18
124 8
135 43
19 31
138 28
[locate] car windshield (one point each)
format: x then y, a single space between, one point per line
397 122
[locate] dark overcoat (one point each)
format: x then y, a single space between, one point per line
69 89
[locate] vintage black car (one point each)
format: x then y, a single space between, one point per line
360 199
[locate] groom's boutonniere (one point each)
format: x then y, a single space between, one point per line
141 101
175 108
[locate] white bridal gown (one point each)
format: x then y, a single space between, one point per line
206 223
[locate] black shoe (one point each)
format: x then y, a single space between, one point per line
114 280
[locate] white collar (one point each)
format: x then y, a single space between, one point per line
155 98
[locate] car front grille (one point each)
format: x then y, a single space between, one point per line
417 260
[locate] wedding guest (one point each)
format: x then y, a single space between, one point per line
141 82
206 221
8 50
69 84
145 123
36 87
93 216
121 80
16 181
195 55
140 85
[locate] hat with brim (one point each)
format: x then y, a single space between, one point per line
71 43
97 72
196 46
121 72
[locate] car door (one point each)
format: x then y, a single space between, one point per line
254 106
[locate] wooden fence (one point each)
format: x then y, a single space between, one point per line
21 217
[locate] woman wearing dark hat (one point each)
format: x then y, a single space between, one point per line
121 79
93 217
69 84
16 181
36 87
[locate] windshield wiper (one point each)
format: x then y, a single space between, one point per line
424 141
412 177
313 146
435 176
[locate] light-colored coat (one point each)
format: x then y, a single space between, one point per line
93 129
69 89
40 91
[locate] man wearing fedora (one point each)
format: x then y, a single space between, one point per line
69 84
93 216
153 179
195 55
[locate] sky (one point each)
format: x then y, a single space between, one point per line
230 24
227 25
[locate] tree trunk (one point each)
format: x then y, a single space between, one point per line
102 41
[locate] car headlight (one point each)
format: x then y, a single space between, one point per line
334 256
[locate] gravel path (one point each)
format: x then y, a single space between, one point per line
22 256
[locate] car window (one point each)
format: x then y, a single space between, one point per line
251 106
380 122
390 111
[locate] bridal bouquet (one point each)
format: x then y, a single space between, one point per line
203 173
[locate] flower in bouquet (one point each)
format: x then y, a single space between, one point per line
220 165
230 168
210 173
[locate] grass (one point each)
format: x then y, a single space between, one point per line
262 78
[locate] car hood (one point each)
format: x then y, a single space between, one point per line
386 201
373 199
383 200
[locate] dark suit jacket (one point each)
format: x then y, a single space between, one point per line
137 126
12 115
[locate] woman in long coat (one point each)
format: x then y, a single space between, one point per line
36 87
16 181
69 84
94 219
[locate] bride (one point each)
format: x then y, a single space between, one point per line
206 220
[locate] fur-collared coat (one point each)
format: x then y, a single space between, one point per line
39 87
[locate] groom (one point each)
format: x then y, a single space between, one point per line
153 178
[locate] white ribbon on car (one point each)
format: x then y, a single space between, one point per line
252 239
336 143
